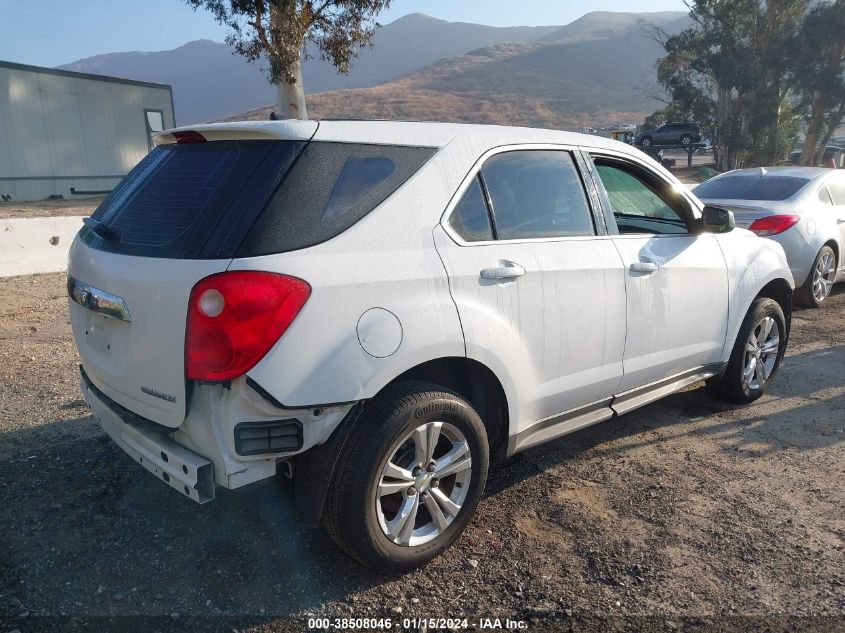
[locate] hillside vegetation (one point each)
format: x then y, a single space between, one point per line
577 76
598 68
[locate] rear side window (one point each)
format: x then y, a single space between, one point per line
837 191
330 188
470 219
751 187
175 199
536 194
824 196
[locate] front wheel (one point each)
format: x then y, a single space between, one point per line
756 356
686 140
816 289
410 477
646 142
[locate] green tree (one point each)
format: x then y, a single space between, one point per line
820 77
279 30
730 71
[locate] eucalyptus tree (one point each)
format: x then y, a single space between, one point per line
280 31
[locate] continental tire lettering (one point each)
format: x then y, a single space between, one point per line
435 406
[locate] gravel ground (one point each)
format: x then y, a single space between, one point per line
685 515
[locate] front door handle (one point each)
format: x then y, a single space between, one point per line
841 221
643 267
505 270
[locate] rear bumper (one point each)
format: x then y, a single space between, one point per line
183 470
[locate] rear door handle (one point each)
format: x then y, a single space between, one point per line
643 267
505 270
841 221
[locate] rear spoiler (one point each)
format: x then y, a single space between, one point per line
287 130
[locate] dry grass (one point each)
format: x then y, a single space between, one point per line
509 84
49 208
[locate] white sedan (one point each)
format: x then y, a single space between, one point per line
802 208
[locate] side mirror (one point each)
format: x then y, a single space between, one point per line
717 220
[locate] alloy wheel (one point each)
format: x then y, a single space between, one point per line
423 484
761 351
823 276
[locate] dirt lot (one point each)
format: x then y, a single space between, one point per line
686 515
49 208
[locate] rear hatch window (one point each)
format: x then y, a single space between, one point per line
182 200
751 187
221 199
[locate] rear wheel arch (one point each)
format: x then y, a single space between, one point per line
805 293
477 384
474 382
835 248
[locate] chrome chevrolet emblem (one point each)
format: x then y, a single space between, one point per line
98 301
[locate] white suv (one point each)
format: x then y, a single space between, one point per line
381 308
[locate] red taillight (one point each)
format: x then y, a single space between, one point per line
773 224
234 318
190 136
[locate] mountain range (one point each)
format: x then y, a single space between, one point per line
599 66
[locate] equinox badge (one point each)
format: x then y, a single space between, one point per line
158 394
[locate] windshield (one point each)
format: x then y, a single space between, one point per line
751 187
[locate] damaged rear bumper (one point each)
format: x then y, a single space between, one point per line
182 469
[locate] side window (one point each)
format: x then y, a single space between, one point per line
837 191
636 205
536 194
359 178
824 196
471 219
329 188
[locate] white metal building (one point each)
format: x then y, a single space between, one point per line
73 134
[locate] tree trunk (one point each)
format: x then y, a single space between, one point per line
774 127
292 98
823 101
814 128
722 133
834 119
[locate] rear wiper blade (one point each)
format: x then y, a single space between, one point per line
98 227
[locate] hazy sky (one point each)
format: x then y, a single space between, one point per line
54 32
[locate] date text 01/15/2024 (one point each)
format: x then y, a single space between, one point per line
414 624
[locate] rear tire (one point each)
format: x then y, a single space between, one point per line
384 453
756 350
819 283
686 140
646 142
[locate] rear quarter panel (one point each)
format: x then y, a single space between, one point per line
387 261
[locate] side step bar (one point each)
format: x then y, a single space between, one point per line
570 421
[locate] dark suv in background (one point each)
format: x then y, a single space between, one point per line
684 134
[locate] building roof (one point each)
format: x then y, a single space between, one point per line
72 73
